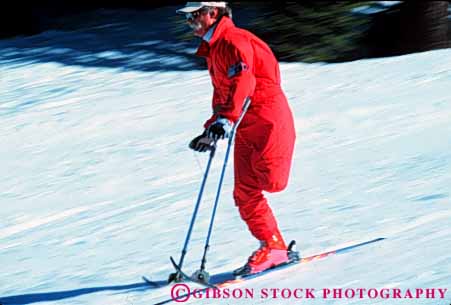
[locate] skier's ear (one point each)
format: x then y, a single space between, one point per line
214 13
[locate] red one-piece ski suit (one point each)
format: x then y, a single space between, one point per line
242 65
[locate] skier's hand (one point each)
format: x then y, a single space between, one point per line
220 129
201 143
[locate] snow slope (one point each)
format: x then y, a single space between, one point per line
98 184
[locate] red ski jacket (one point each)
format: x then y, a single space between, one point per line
242 65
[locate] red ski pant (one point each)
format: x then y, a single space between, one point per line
252 177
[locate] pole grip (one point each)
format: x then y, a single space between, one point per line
247 103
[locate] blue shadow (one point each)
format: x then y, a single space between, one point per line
126 39
61 295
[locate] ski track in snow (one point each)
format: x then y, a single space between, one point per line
98 185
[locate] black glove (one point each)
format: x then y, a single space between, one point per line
201 143
220 129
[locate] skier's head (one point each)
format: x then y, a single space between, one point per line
200 16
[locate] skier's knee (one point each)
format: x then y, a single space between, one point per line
275 187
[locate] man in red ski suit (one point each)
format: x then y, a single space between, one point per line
241 65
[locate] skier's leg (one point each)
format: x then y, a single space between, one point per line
257 214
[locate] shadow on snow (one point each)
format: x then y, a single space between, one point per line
139 40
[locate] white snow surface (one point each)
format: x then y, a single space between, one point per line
98 184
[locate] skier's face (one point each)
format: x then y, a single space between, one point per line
201 20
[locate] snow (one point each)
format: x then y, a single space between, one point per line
375 7
98 184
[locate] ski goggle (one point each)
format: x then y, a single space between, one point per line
195 14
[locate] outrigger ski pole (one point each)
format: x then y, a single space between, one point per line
177 276
201 275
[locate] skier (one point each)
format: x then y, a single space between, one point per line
241 65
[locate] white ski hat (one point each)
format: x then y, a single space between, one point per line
194 6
